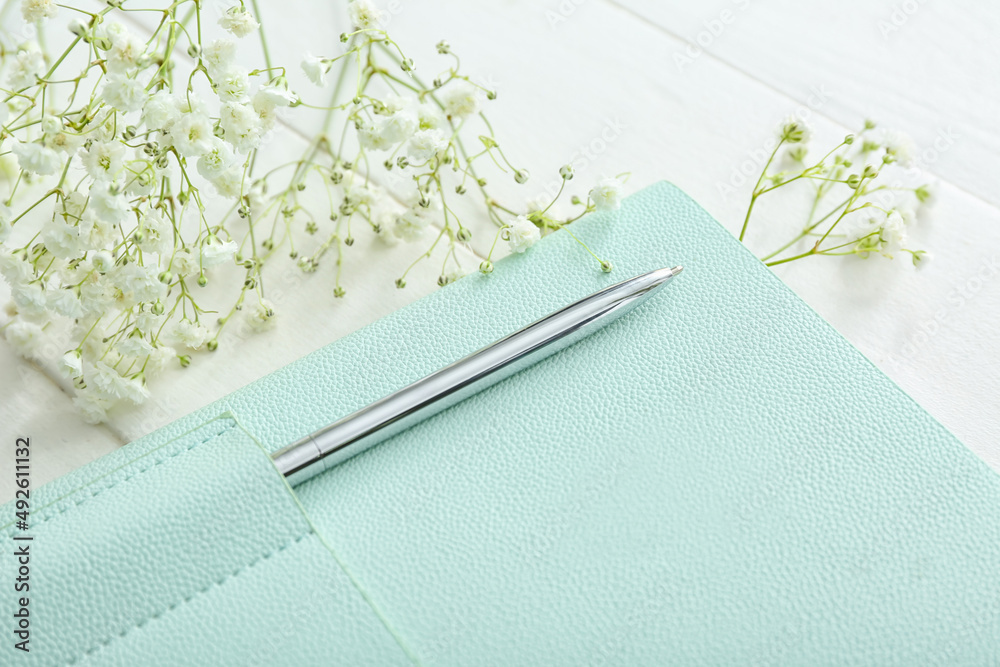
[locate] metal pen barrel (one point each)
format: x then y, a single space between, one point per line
430 395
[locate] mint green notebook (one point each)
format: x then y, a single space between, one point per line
717 478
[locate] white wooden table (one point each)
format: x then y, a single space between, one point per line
686 92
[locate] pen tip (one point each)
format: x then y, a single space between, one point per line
677 269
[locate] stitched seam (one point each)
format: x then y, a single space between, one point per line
81 501
219 582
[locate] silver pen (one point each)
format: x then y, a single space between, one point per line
426 397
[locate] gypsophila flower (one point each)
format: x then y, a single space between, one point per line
215 251
262 316
124 94
607 194
899 146
192 134
71 365
462 100
219 56
29 64
38 10
103 159
126 51
427 144
239 21
25 337
364 15
521 234
132 189
36 158
315 68
794 131
190 334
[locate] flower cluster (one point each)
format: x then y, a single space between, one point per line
137 180
872 216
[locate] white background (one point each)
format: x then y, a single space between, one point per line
687 92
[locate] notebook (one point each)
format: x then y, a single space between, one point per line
716 478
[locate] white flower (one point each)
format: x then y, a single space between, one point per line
219 56
192 134
35 158
189 334
37 10
215 251
124 94
239 21
398 127
70 365
5 225
275 95
927 196
134 346
893 232
607 194
232 85
521 233
126 51
65 302
262 316
386 228
216 161
900 146
92 406
370 137
183 263
427 144
794 131
157 232
410 225
315 68
364 15
230 182
51 125
25 337
241 126
102 261
104 159
29 63
14 268
462 100
61 239
134 390
138 283
429 117
106 204
160 357
29 297
160 111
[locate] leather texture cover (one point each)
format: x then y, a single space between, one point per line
716 478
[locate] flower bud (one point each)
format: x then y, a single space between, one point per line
212 345
202 280
78 27
464 235
194 51
566 171
339 292
400 283
486 267
606 266
165 277
184 360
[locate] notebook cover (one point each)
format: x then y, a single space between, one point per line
716 478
